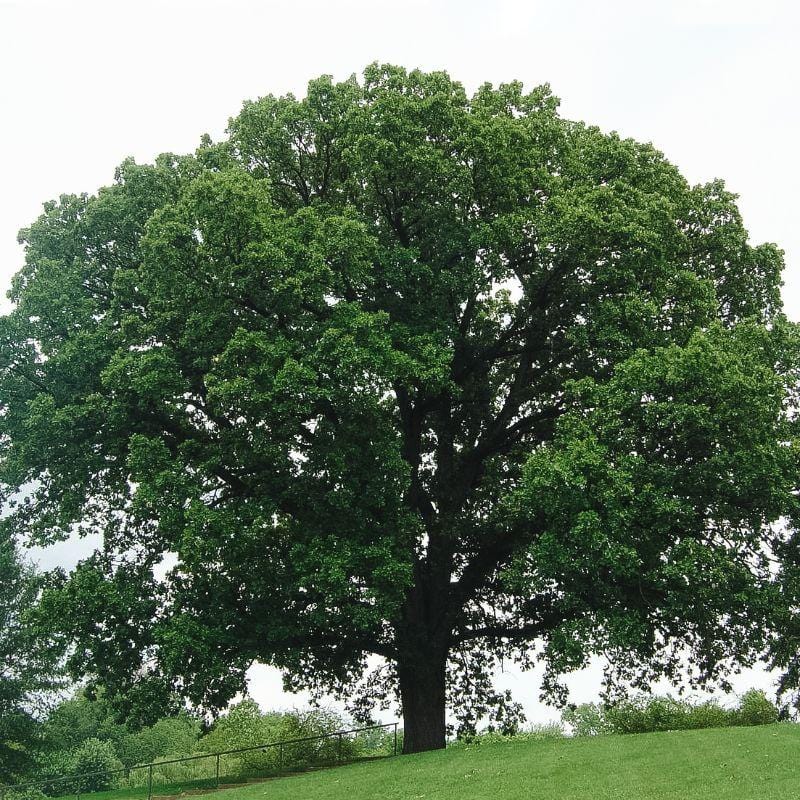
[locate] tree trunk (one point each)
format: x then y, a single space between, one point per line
422 693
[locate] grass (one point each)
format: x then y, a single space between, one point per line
758 763
716 764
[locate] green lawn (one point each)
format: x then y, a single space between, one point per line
720 764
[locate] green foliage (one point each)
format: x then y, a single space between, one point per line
586 719
79 718
171 737
398 371
53 771
26 794
755 708
531 733
245 725
94 766
84 733
30 668
646 714
649 714
379 742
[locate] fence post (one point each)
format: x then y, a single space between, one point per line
217 772
395 738
150 782
280 757
339 748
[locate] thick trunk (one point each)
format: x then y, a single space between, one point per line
422 692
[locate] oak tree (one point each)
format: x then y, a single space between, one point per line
391 384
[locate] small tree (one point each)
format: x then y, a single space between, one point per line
95 766
82 716
394 371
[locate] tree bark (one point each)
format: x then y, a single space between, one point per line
422 693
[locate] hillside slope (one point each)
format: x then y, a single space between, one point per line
721 764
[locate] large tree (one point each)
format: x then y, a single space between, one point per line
394 371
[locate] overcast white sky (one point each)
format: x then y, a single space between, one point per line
715 84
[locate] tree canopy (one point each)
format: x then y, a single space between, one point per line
398 372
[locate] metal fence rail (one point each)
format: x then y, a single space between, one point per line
283 745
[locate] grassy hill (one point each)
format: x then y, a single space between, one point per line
716 764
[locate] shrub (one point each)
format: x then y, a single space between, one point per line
587 719
379 741
755 708
538 731
645 714
54 770
95 756
185 772
709 714
171 737
245 725
29 793
320 722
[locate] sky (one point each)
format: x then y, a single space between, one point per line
714 84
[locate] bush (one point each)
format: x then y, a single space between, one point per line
179 773
755 708
245 725
95 756
536 732
29 793
587 719
646 714
708 715
54 770
379 741
184 773
171 737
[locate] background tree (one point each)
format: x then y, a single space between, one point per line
29 668
396 371
83 733
78 718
